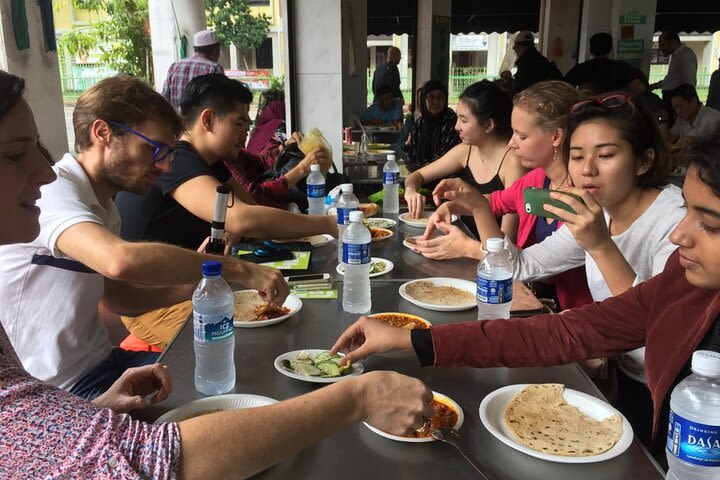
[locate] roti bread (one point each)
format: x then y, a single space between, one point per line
539 417
428 292
246 302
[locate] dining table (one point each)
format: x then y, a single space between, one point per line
359 453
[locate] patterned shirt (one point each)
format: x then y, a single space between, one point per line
181 72
50 433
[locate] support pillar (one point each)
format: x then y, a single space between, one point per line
41 72
432 58
164 32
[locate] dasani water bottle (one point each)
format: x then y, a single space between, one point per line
347 203
315 191
356 260
213 332
494 282
693 441
391 181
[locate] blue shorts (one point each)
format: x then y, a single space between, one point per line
100 378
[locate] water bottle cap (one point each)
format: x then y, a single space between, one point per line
356 216
314 167
391 157
706 362
495 245
211 268
346 187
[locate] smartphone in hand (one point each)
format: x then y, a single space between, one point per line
535 198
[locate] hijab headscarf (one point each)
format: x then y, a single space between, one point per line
433 133
271 117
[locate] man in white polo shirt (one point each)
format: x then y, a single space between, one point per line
682 68
52 286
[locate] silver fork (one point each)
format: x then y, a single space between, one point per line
451 436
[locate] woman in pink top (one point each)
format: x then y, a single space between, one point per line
539 118
50 433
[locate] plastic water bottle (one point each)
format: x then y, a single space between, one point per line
356 260
391 181
693 441
315 191
213 332
494 282
347 203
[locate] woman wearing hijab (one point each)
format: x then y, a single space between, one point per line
434 132
263 136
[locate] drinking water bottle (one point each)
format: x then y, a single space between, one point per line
693 441
347 203
315 191
213 332
356 260
494 282
391 181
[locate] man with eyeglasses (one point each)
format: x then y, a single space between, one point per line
123 130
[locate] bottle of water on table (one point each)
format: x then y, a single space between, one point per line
693 441
347 203
315 191
494 282
391 181
213 332
356 260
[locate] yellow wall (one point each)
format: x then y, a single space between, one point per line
68 17
272 11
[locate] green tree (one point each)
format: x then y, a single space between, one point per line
123 38
234 23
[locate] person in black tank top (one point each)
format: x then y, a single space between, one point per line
483 122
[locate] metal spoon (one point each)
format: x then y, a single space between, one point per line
451 436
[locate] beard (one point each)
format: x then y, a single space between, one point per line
123 172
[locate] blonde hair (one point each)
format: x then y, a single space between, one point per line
123 99
549 103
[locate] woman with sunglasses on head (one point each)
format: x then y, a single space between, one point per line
539 118
50 433
483 159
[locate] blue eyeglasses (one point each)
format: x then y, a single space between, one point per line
162 151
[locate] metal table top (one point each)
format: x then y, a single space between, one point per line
358 453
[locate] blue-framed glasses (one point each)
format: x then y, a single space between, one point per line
162 151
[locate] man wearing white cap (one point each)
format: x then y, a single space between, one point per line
207 52
532 66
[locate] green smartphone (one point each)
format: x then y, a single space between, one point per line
535 198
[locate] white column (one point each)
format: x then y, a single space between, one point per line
559 31
42 77
427 10
165 36
330 66
494 54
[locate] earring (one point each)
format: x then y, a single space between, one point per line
555 151
487 130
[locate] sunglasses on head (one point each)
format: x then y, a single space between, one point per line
615 100
162 152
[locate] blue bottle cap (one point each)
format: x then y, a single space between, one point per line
211 268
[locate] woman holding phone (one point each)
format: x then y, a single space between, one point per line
539 118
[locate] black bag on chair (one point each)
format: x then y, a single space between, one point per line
289 159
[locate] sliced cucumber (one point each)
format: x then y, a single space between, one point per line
328 369
322 357
305 369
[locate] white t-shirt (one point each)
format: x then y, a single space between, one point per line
682 68
706 124
645 245
51 301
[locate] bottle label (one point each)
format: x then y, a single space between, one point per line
356 253
390 178
207 328
315 191
343 215
693 442
494 291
